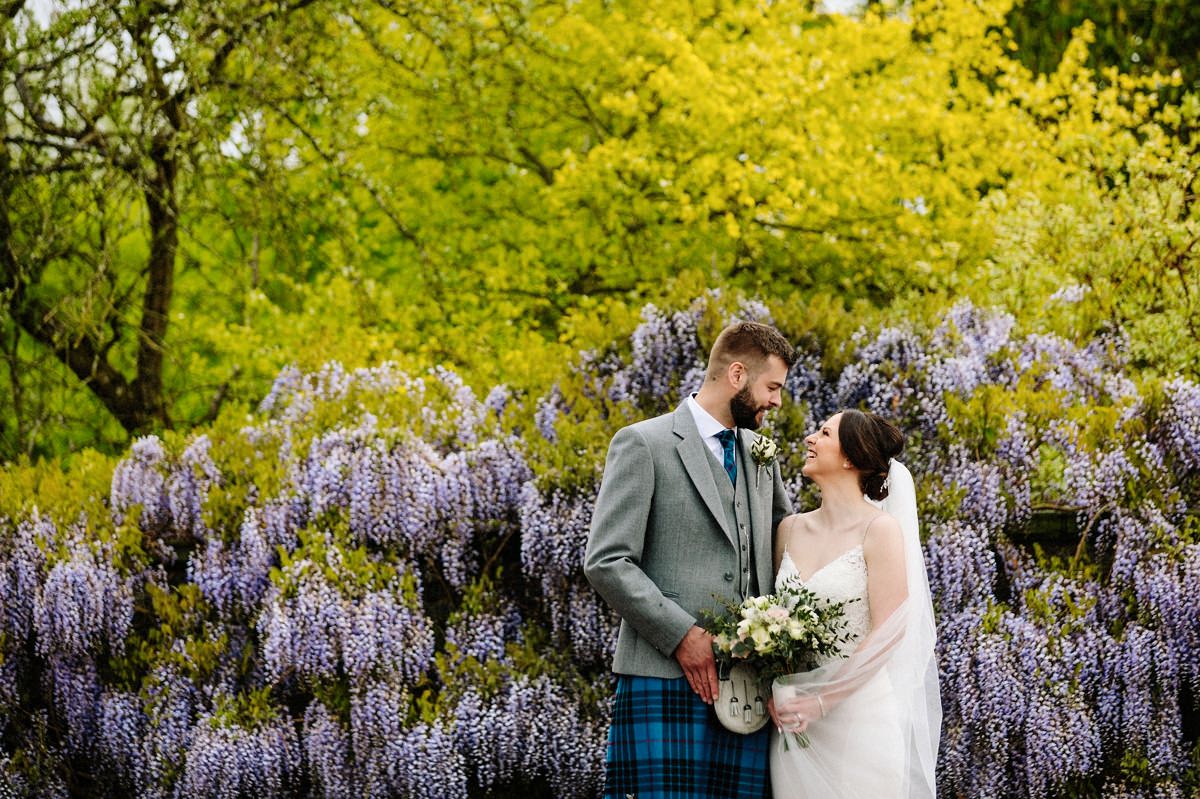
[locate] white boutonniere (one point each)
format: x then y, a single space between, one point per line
764 451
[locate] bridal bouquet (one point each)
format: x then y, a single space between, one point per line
778 634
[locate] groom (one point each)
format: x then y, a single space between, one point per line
685 514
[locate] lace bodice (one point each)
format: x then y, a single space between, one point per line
842 579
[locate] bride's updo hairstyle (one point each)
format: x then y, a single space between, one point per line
870 441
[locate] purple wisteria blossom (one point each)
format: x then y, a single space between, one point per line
302 629
140 481
188 487
74 685
120 729
172 702
22 569
498 399
387 634
436 506
235 575
1179 428
554 530
85 604
533 727
399 759
328 756
665 360
549 408
962 566
229 761
485 634
399 578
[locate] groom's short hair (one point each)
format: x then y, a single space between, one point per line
751 343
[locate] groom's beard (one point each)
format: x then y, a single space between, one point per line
743 410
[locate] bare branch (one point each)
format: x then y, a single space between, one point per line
214 405
37 114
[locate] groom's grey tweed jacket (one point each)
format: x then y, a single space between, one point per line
661 544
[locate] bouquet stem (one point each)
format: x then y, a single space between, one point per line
801 739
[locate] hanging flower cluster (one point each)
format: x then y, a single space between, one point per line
375 587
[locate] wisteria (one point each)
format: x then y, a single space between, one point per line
120 728
399 759
533 727
962 566
231 761
172 704
374 588
1180 423
328 755
302 629
554 529
665 363
188 487
84 604
22 563
388 634
484 635
665 356
139 481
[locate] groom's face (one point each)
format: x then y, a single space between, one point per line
762 392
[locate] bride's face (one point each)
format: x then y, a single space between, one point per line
823 449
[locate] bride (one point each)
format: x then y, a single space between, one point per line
872 712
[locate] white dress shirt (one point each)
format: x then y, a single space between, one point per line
708 427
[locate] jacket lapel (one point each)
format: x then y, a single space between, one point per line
694 454
754 484
761 489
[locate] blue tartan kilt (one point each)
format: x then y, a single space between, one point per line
665 743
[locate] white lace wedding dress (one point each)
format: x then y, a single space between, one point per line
857 750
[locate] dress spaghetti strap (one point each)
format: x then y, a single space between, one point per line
867 529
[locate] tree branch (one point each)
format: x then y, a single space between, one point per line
214 406
374 192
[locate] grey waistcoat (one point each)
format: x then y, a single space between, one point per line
737 514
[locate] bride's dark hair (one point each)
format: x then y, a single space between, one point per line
870 441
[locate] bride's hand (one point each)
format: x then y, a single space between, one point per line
793 724
774 718
796 713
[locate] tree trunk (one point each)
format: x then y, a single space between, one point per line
162 210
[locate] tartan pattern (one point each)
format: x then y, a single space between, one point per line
665 743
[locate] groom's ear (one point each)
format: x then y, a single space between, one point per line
738 374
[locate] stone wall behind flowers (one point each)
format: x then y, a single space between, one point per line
372 587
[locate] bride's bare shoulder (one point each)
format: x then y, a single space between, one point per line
797 524
883 536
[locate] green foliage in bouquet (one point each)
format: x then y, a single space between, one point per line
781 633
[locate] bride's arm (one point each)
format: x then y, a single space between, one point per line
887 585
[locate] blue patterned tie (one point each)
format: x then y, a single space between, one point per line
727 437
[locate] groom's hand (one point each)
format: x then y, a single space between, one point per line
695 655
